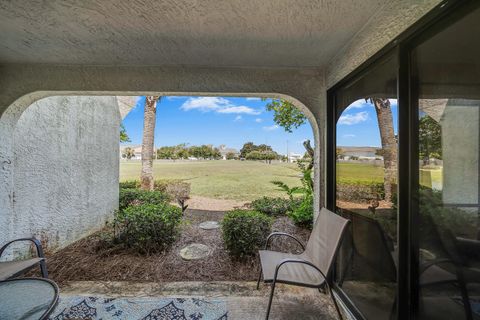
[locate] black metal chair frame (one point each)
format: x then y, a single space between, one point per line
54 303
320 287
40 254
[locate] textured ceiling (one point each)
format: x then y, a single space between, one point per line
269 33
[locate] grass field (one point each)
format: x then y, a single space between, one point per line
235 180
359 172
246 180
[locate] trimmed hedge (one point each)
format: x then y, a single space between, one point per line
135 197
147 228
359 191
245 231
272 206
176 189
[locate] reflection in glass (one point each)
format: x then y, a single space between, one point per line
366 185
447 68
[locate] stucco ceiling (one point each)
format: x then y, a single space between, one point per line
248 33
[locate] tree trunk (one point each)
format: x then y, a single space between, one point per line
389 144
149 117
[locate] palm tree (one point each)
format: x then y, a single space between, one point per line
149 117
389 143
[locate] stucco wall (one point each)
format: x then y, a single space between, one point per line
460 151
65 169
383 27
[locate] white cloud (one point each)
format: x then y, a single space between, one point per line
239 109
349 135
205 104
271 128
253 99
237 118
359 104
258 120
174 97
216 104
350 119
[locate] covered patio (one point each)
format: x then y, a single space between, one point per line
325 57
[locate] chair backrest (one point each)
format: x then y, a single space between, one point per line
325 239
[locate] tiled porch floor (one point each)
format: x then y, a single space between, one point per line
243 300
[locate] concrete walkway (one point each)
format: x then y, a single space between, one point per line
243 300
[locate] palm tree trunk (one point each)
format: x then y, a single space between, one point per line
389 144
149 117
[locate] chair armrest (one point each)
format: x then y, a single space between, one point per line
426 265
36 242
282 234
301 261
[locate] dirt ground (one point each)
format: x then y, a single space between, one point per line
83 260
210 204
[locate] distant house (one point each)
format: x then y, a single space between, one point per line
136 149
366 153
294 157
224 150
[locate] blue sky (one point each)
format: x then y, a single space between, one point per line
357 126
234 121
216 121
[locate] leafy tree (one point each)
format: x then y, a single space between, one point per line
430 139
123 134
339 153
230 155
246 149
182 151
285 114
165 152
128 153
216 154
267 156
262 148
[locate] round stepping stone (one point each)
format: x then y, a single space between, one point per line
195 251
209 225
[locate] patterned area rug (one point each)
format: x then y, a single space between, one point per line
77 307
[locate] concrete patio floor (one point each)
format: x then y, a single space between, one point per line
242 298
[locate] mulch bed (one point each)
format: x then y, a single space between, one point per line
83 260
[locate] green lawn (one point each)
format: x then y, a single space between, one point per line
246 180
359 172
235 180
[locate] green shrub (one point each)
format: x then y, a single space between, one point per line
163 184
147 228
245 231
271 206
131 184
176 189
135 197
302 212
359 190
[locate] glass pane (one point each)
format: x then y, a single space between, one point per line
447 68
366 184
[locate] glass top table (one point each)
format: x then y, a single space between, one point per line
27 298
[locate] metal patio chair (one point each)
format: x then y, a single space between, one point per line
15 268
312 267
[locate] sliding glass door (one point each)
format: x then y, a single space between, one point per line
446 82
366 188
403 166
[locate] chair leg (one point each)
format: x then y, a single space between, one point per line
270 300
43 269
335 303
465 300
259 279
